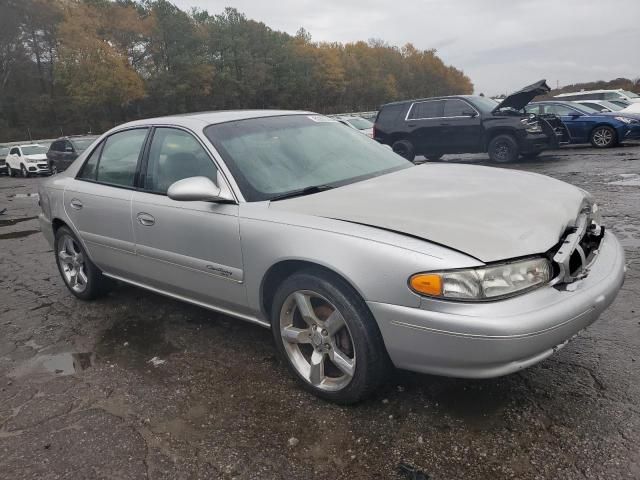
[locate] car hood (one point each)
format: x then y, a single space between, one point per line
488 213
518 100
37 156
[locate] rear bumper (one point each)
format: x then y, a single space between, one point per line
497 338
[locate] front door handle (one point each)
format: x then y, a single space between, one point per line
411 124
75 204
146 219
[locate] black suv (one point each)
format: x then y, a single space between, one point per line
469 124
65 150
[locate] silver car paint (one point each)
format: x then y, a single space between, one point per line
217 255
489 213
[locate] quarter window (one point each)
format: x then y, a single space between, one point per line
174 155
457 108
119 159
431 109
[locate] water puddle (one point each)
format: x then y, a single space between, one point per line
20 234
628 180
23 195
13 221
56 364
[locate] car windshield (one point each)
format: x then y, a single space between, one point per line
82 144
484 104
630 94
272 156
360 123
33 150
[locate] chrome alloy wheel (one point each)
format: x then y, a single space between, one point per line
72 264
603 137
317 340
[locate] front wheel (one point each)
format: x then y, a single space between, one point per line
405 149
9 171
77 270
603 137
503 149
23 171
328 337
53 169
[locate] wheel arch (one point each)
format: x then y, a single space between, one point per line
283 269
494 132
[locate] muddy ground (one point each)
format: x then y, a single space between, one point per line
79 397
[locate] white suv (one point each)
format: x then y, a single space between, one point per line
28 160
610 95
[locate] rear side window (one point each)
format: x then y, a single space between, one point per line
430 109
119 158
390 114
174 155
89 169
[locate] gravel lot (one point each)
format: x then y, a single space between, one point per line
79 397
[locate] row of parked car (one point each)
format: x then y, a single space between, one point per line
42 159
505 130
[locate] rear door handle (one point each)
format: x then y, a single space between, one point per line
146 219
75 204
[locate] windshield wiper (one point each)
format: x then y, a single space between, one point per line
302 192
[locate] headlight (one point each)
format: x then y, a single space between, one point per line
32 160
624 119
484 283
531 126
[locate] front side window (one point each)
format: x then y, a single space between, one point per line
14 151
561 110
457 108
119 159
273 156
431 109
174 155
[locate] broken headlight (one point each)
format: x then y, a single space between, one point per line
484 283
531 126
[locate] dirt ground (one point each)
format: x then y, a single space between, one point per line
79 397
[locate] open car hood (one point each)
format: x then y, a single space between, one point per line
488 213
521 98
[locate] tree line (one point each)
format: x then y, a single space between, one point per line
74 66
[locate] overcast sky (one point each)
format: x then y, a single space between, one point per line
501 44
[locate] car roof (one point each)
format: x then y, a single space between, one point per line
209 118
28 145
586 92
444 97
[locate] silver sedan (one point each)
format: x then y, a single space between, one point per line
355 258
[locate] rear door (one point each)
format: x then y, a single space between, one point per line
461 127
424 128
191 249
98 201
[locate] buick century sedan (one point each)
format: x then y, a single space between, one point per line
355 258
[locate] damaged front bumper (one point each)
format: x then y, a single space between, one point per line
480 340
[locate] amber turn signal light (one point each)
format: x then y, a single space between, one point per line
427 284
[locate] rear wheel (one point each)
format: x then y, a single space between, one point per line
603 137
405 149
79 273
503 149
328 337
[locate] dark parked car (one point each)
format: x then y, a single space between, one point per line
65 150
469 124
586 125
4 151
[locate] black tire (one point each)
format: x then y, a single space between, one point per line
405 149
53 169
434 157
531 155
503 149
23 171
373 363
9 171
97 284
603 137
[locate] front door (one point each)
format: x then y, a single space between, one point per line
190 249
98 201
578 124
461 129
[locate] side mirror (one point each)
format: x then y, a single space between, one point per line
195 189
470 113
575 114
